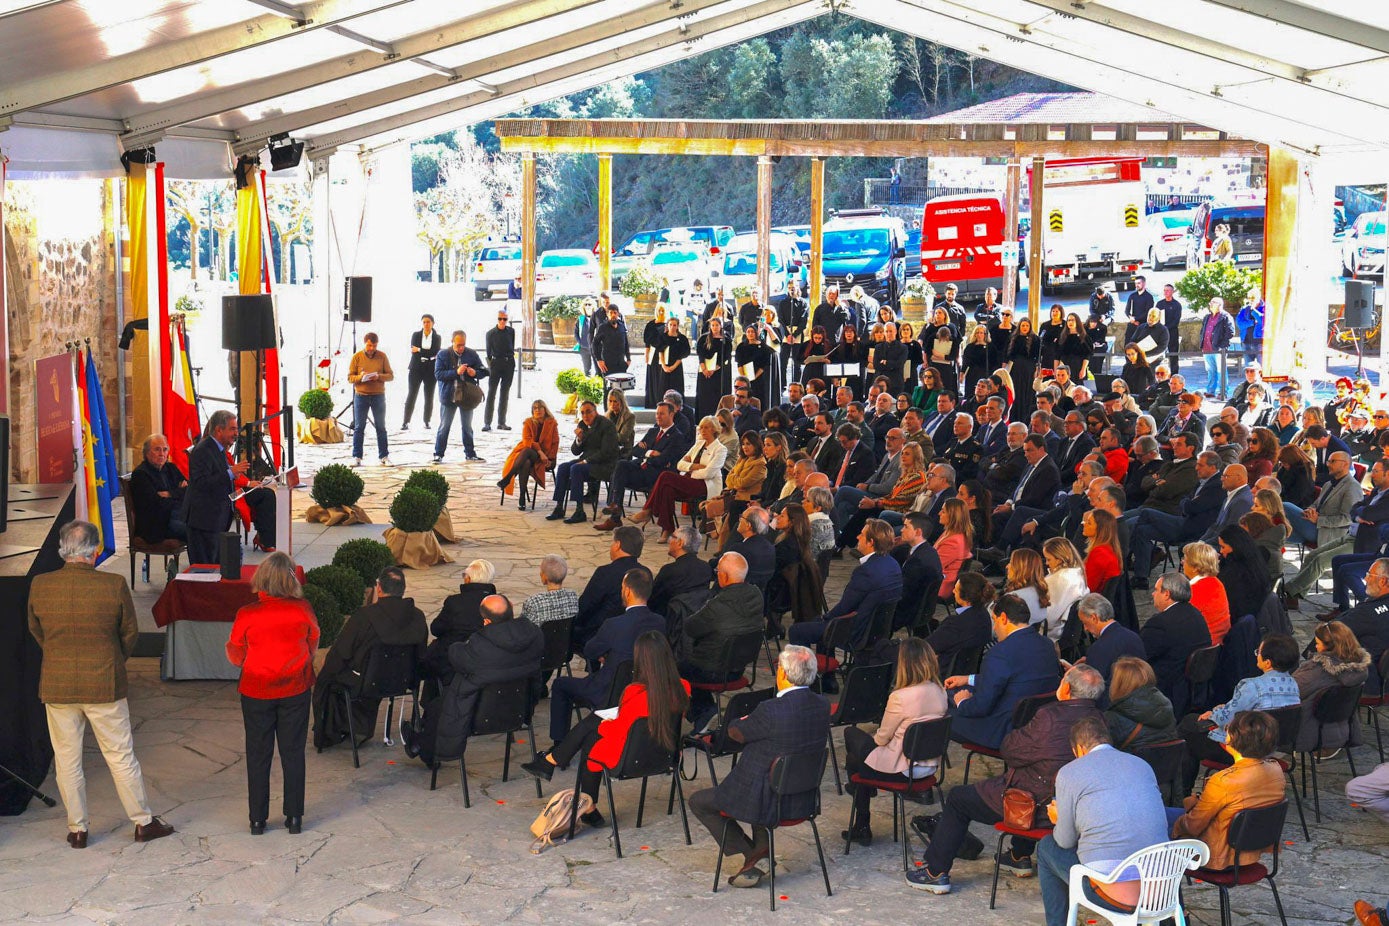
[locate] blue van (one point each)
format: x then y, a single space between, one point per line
868 248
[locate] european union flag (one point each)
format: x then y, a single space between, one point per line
107 476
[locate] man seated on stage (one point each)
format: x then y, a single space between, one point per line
156 493
212 477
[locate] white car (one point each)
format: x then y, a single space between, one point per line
566 272
1362 247
681 264
739 266
1167 233
494 267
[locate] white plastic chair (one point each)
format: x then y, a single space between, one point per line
1160 869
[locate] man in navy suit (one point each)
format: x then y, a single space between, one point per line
655 453
1112 639
1197 513
1238 501
941 425
602 597
207 509
876 581
921 569
855 462
823 449
754 546
1171 635
993 432
1036 486
1073 448
1018 666
609 648
794 723
685 572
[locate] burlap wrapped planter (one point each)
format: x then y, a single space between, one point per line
320 431
443 528
343 514
417 550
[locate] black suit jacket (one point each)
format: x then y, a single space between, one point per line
759 553
678 576
152 512
1169 637
613 644
960 631
797 723
861 466
601 598
669 449
206 503
921 576
1376 511
828 455
943 433
1041 486
1116 640
425 358
1069 455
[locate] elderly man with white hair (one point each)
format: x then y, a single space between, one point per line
794 723
460 617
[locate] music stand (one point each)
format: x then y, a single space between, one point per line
47 801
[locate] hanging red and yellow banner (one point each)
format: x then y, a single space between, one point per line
253 277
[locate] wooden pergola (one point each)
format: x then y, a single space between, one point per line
771 140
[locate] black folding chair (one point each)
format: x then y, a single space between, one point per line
736 655
923 619
390 673
963 662
717 743
641 758
1252 830
1373 702
1166 760
1289 720
559 638
863 700
1200 669
1333 706
792 776
924 740
502 708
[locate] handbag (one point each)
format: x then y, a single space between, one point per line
1019 809
552 826
467 394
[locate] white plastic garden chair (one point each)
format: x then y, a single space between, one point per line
1160 869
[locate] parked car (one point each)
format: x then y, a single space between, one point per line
1246 223
494 267
960 241
639 247
1167 234
868 248
739 266
1362 246
681 264
565 272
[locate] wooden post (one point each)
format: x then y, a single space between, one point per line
1034 251
817 228
605 221
528 251
764 226
1296 252
1010 230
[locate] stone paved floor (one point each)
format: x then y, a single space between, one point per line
379 846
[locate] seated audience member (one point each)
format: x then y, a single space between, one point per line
696 476
156 493
1112 640
1274 687
595 448
657 452
917 695
877 580
1065 582
1030 527
753 543
940 486
1368 513
1026 580
911 481
533 456
1102 554
1372 792
1244 570
502 650
1032 756
796 586
1107 807
819 501
1018 666
1369 620
1267 538
390 620
796 722
602 596
1037 486
1338 661
685 572
968 625
1147 461
1191 515
460 617
1238 501
1254 780
1201 565
657 693
735 609
847 498
556 603
955 543
605 652
921 569
1138 715
1326 521
1175 630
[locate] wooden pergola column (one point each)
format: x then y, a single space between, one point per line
817 230
528 232
764 225
605 221
1011 205
1034 250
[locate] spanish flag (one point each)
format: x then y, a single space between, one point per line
181 423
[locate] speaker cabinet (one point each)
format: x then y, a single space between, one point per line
357 299
1360 304
248 323
229 554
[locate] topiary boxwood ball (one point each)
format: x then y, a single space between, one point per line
316 403
364 556
415 510
325 608
346 587
432 481
337 486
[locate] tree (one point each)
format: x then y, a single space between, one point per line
456 216
184 199
289 207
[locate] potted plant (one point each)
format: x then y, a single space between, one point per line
917 295
741 294
346 587
560 314
318 425
414 512
590 389
567 382
364 556
1216 279
336 489
643 287
434 482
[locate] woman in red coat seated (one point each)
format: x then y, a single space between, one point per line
657 693
1102 554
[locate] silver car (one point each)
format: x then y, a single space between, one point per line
1167 233
1362 248
494 267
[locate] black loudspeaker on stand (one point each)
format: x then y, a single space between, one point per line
1360 305
248 323
229 554
356 306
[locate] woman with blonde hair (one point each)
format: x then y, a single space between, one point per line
728 435
623 420
1027 578
698 474
917 695
533 455
900 498
1268 503
1201 565
1005 385
955 544
1102 553
1065 581
273 642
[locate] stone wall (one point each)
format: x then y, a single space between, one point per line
60 273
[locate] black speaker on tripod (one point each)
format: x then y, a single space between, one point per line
356 304
1360 305
248 323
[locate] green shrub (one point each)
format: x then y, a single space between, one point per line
431 480
364 556
741 293
415 510
315 403
346 587
640 280
337 486
567 381
919 288
561 307
590 389
325 608
1218 278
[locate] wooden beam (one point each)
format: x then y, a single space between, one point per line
817 230
764 227
1034 251
1011 202
1280 250
528 244
605 221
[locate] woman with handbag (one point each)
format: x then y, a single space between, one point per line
534 455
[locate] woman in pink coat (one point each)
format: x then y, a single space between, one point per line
955 544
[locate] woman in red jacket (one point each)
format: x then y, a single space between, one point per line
1101 532
657 693
273 641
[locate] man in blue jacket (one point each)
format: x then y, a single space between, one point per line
458 363
658 451
1018 666
876 581
1197 512
1216 331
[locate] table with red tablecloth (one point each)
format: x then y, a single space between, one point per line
197 619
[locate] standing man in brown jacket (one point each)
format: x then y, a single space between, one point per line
85 622
369 371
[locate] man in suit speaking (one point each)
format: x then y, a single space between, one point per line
212 477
